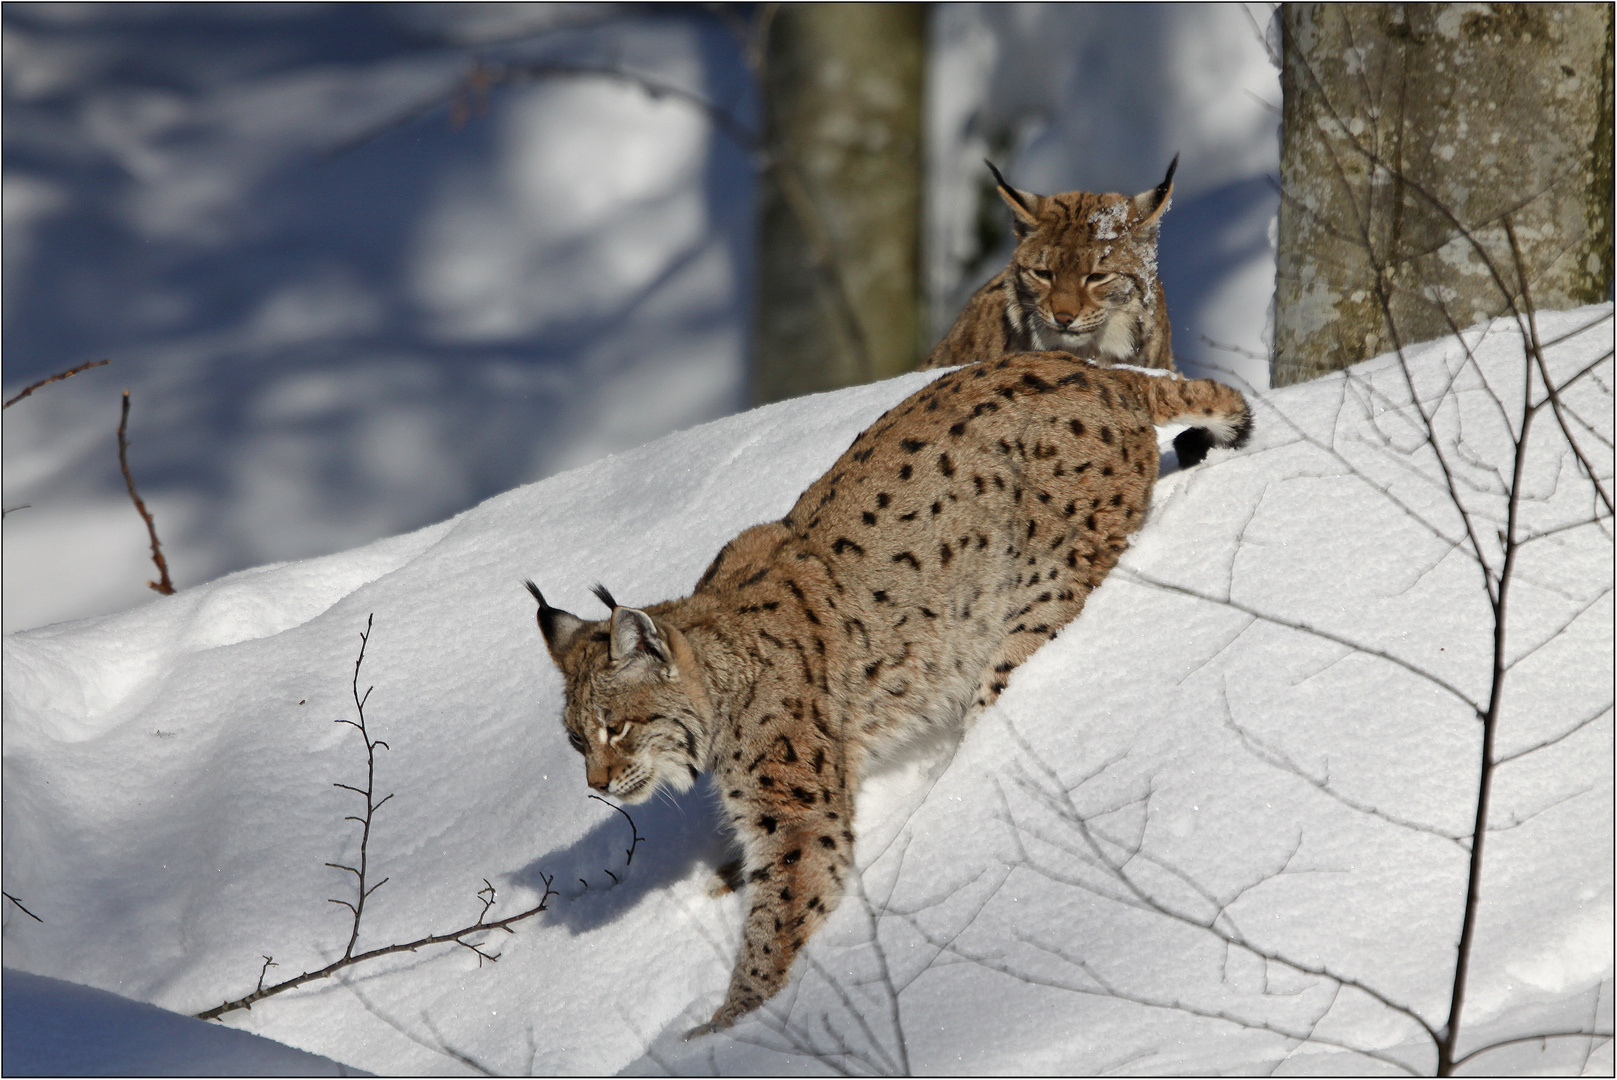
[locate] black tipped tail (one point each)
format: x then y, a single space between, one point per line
1192 444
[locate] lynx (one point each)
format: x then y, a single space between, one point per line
1083 280
955 536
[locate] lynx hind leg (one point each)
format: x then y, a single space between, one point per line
795 879
1030 629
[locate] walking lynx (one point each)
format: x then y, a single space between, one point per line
956 535
1083 280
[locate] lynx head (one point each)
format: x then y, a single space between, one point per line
1085 269
636 708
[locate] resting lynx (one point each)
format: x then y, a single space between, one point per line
1083 280
955 536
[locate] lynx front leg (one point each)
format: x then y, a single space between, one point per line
795 879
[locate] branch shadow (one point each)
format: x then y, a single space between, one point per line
597 878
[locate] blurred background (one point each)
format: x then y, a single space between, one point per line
361 266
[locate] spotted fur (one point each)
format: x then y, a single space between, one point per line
1083 279
956 535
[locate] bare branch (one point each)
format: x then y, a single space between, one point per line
162 584
20 907
269 962
634 833
1302 627
1568 733
60 375
386 950
1592 1036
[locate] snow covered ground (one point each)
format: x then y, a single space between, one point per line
1216 826
342 317
56 1028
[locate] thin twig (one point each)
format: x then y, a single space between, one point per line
369 793
269 962
68 374
24 910
162 584
634 833
386 950
1590 1035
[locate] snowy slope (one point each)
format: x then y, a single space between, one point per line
170 807
55 1028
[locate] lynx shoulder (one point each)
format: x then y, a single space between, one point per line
955 536
1083 279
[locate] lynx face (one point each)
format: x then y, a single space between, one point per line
631 711
1083 280
1084 276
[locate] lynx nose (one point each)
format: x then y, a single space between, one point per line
599 777
1064 319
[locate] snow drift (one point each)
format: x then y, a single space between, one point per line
1263 729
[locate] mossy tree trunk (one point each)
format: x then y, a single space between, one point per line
1396 113
839 246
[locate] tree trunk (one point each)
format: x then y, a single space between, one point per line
839 259
1396 115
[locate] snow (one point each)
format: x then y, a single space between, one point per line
170 808
336 327
47 1021
342 317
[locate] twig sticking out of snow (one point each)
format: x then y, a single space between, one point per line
162 584
633 832
368 792
486 894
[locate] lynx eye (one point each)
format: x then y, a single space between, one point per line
576 739
1041 274
1100 279
614 730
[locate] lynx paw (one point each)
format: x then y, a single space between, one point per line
707 1029
732 1010
726 879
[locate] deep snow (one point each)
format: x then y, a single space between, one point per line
170 805
56 1028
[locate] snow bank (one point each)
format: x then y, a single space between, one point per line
54 1028
170 807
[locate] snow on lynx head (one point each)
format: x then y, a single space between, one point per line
1083 280
1085 269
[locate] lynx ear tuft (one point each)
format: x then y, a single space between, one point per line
1151 205
558 627
635 635
1024 204
601 594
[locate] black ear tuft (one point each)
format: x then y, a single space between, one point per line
1167 181
1151 205
601 594
1024 218
557 626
